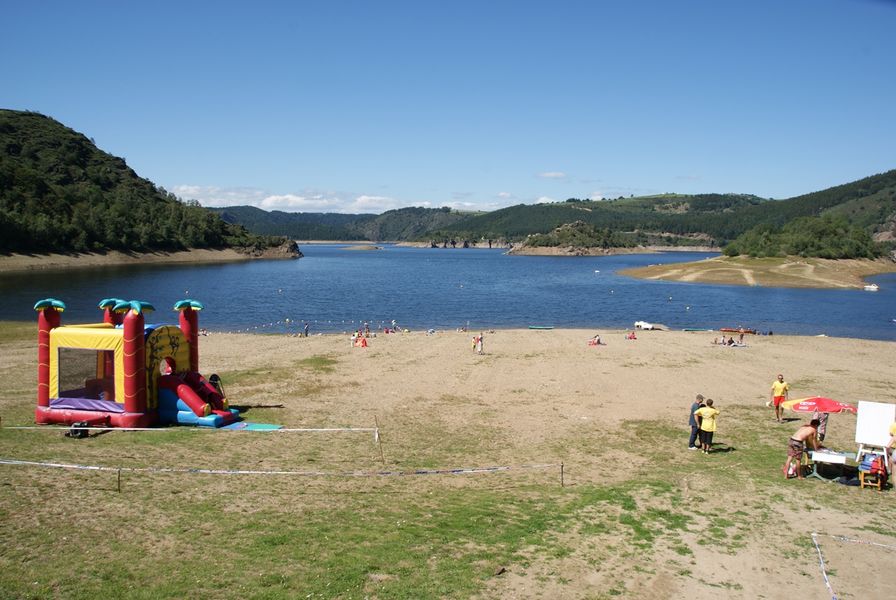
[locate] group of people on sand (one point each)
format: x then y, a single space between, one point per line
808 436
721 341
359 340
478 340
702 420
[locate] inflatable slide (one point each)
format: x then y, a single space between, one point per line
189 399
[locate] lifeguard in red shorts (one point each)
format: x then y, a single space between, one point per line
779 393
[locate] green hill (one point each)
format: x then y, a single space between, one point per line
401 224
859 212
303 226
60 193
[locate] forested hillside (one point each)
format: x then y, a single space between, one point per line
843 221
400 224
60 193
300 226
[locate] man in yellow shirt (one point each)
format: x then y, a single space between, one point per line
707 420
779 393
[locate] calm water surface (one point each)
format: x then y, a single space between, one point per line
335 288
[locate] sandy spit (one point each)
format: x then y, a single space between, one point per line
35 262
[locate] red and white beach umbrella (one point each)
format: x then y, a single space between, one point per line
820 404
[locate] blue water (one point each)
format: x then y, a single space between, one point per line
337 289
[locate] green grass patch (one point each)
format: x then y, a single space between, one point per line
320 363
18 331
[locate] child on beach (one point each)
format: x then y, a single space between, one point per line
707 416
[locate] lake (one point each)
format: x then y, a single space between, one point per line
336 289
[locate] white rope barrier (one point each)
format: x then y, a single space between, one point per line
400 473
374 430
839 538
824 572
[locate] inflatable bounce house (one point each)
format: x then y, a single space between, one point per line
122 372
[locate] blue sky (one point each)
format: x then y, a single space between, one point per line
368 106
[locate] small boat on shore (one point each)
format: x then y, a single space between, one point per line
541 326
737 330
871 287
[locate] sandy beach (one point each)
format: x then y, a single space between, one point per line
790 272
538 397
615 416
38 262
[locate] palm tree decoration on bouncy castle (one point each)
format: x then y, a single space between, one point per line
109 314
134 353
189 324
48 317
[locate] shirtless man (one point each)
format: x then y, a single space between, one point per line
796 445
779 393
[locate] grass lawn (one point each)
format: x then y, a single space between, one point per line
637 509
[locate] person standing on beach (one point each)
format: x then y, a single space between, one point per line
305 329
779 393
796 445
707 416
694 422
822 423
479 343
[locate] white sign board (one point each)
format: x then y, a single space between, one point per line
873 423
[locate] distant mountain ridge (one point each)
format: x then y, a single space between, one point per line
412 223
668 219
60 193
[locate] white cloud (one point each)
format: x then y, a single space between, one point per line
217 196
307 201
596 196
372 204
335 201
544 200
552 175
297 203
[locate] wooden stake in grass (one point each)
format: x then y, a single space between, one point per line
119 481
379 441
561 475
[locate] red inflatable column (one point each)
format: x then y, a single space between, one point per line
47 319
111 317
134 363
189 324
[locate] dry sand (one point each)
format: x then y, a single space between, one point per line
33 262
769 272
542 397
539 397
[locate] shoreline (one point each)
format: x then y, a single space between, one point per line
614 334
25 263
576 251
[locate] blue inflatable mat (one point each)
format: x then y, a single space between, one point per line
246 426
